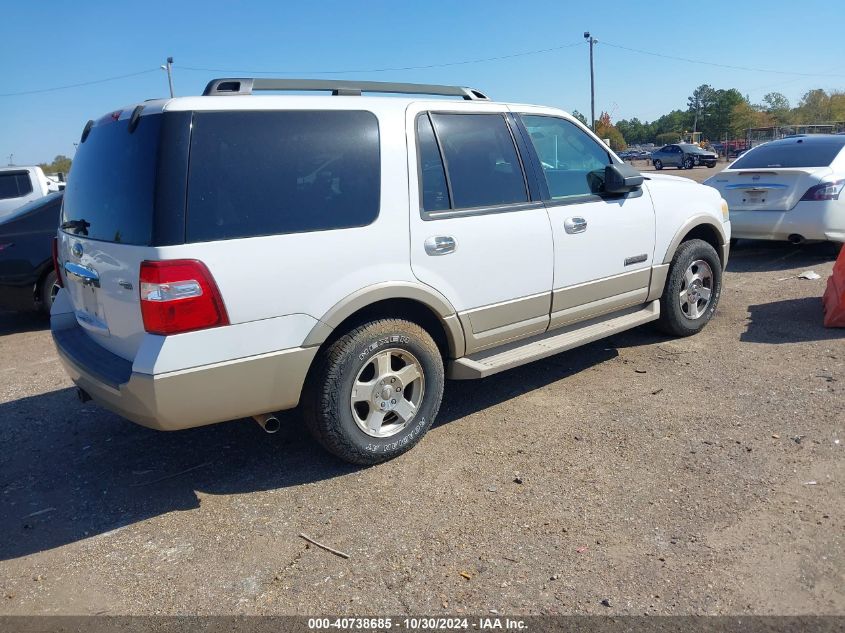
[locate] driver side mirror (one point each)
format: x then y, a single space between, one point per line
621 178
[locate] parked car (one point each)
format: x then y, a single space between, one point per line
19 185
789 189
683 156
226 257
27 276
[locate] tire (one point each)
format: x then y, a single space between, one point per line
47 292
689 163
711 165
658 164
691 262
357 357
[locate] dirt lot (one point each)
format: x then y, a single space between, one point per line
702 475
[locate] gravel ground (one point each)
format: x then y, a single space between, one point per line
639 474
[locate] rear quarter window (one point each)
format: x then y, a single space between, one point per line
792 154
269 173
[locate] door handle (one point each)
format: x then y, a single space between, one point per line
575 225
440 245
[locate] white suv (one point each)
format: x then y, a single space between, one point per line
226 256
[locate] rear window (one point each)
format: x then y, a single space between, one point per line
268 173
111 188
795 153
14 184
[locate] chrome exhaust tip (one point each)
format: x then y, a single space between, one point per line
269 422
795 239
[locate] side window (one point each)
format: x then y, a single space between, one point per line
481 161
568 156
435 191
14 184
286 171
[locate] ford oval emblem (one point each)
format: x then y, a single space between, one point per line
77 250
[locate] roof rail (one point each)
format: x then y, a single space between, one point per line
247 86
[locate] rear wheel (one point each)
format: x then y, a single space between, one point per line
375 391
692 289
658 164
689 163
48 291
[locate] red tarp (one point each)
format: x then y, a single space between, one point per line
834 296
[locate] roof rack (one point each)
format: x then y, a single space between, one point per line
247 86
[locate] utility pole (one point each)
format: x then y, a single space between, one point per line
11 159
169 69
592 42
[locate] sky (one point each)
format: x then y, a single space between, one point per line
56 43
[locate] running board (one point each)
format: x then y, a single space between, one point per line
510 355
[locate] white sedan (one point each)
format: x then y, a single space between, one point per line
787 189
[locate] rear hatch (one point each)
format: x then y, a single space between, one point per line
767 189
108 227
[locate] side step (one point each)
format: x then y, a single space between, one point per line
510 355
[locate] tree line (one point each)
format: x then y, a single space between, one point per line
718 114
60 164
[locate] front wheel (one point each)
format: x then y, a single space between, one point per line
689 163
375 391
658 165
692 289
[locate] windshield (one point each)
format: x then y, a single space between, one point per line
792 153
32 206
110 190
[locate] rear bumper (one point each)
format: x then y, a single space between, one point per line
186 398
810 220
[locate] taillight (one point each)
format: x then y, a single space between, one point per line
825 191
58 270
179 295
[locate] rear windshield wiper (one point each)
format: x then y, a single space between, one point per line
79 226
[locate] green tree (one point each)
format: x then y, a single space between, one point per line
700 102
61 163
837 106
814 107
720 120
778 107
580 117
635 131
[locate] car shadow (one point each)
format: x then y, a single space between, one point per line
70 471
789 321
16 322
761 256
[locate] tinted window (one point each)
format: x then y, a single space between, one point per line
791 153
481 160
435 192
573 163
112 184
265 173
14 184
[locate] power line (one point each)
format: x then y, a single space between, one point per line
78 85
717 65
377 70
